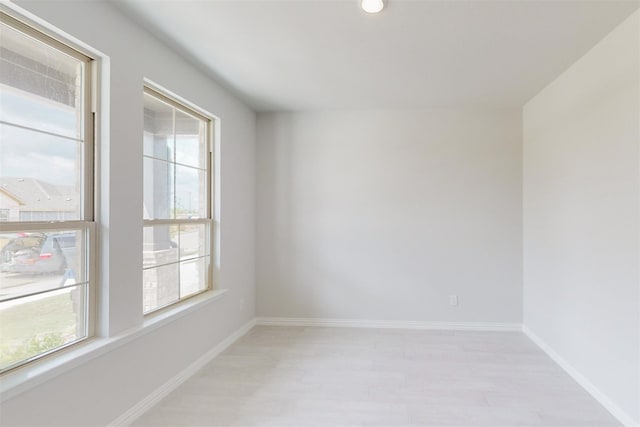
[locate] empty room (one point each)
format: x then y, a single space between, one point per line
320 213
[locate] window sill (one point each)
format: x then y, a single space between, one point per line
31 375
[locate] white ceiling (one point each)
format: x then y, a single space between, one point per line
329 54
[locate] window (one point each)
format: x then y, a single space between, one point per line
46 195
177 202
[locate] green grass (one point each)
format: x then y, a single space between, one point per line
29 329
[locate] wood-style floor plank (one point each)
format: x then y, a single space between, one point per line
313 376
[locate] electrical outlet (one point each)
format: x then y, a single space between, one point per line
453 300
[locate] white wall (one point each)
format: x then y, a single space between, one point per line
581 216
102 389
380 215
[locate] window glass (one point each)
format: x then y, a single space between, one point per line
41 86
176 258
39 172
36 324
45 157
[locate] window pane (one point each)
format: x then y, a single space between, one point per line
159 134
158 189
193 240
38 261
160 286
160 245
190 192
190 140
40 87
158 146
175 263
37 324
40 175
193 276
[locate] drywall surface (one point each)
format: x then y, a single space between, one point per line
102 389
581 216
380 215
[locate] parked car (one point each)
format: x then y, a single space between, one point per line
39 253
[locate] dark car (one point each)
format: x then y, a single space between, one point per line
39 253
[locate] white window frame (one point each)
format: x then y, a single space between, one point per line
186 107
87 223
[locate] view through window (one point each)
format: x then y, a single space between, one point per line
46 194
177 208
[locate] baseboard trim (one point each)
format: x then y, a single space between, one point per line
602 398
388 324
158 394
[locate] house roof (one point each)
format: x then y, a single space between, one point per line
36 195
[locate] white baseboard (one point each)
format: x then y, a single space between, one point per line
388 324
158 394
614 409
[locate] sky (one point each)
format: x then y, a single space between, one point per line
26 153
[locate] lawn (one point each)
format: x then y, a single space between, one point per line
36 326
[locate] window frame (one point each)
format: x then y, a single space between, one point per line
87 218
163 95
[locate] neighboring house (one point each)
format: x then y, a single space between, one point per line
30 199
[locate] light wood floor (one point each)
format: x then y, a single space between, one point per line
298 376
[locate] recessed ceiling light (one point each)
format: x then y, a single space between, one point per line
372 6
